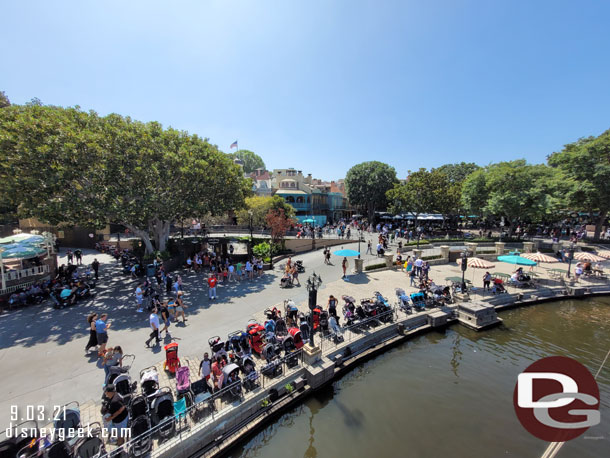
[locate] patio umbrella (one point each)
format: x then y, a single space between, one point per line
539 257
22 252
584 256
346 253
477 263
309 220
604 254
518 260
22 238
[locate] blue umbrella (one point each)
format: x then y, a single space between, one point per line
518 260
309 220
346 253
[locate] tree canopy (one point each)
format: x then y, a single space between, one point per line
366 185
514 189
584 170
4 101
260 206
457 173
252 161
424 191
63 165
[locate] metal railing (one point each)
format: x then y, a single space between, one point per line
329 343
11 275
203 414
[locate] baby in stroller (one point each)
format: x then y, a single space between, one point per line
498 286
286 280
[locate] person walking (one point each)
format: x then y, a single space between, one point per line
231 273
295 275
70 256
78 254
139 298
179 309
166 319
328 256
95 265
92 333
412 274
101 331
344 267
369 248
212 285
153 319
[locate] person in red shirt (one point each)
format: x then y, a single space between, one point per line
212 281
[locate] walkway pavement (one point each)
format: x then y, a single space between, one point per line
42 349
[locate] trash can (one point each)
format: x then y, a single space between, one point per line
151 270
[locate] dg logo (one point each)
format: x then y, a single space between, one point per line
556 399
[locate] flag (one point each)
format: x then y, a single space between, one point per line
234 145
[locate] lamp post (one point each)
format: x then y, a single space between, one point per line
250 248
2 270
313 284
570 257
359 238
464 267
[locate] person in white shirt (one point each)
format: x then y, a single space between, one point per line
139 297
231 272
249 269
418 265
153 319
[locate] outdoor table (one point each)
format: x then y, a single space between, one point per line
500 274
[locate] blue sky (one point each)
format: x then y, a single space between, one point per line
321 85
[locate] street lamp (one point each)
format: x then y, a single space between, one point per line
359 238
313 284
250 216
464 267
570 257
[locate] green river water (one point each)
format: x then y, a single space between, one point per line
448 394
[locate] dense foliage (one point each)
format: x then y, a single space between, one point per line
366 185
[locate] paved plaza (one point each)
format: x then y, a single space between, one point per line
42 349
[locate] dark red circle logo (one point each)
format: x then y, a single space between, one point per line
556 399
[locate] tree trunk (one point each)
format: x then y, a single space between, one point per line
599 224
160 231
371 212
143 235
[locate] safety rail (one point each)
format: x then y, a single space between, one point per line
356 331
203 414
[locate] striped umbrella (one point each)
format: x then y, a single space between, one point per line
584 256
539 257
477 263
604 254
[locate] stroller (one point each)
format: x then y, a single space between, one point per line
217 347
172 362
162 408
92 445
316 318
335 330
256 336
323 322
231 381
291 358
248 368
115 371
419 301
304 328
272 314
124 386
149 382
18 444
69 420
234 344
286 281
139 414
280 327
296 337
203 400
183 385
300 266
402 300
269 327
273 368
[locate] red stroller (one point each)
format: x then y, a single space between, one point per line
256 336
296 336
316 317
172 362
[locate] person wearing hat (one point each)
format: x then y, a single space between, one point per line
117 415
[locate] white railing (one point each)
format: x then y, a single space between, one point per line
13 275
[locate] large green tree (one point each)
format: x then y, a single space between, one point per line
424 192
366 185
4 101
251 160
584 168
260 206
515 189
69 166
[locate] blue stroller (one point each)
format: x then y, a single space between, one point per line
419 301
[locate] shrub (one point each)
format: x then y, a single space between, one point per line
375 266
262 250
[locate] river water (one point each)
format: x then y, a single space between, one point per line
448 394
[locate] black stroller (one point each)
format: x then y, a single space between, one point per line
162 407
300 266
248 369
